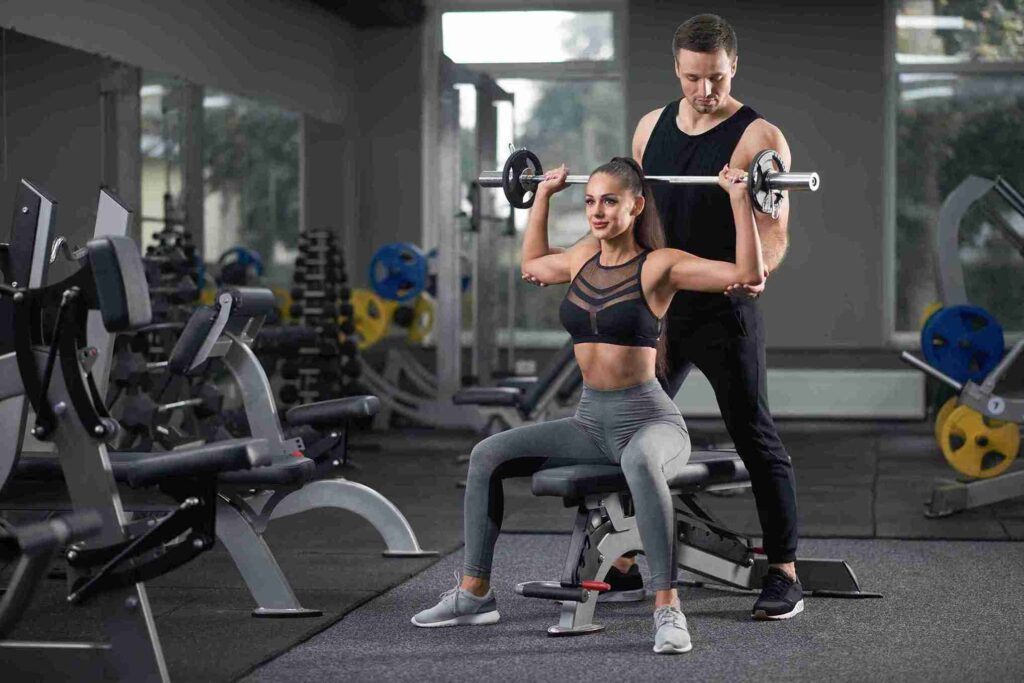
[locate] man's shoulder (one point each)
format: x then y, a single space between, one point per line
649 120
644 129
763 132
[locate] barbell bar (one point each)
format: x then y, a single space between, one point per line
766 180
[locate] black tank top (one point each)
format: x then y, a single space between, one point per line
697 218
606 304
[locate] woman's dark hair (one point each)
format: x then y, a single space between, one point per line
647 228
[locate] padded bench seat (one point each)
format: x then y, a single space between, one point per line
704 469
331 413
238 461
488 396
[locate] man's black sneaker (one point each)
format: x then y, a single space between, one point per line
781 597
626 587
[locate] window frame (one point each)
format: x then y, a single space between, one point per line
893 70
614 69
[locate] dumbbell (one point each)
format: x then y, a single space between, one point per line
184 290
319 278
327 290
289 394
326 308
129 369
141 411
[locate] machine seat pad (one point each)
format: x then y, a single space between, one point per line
488 396
250 301
147 469
124 465
284 470
521 383
333 412
576 481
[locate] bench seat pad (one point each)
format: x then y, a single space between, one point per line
576 481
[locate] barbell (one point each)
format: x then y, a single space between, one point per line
766 180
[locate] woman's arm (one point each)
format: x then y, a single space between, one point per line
704 275
541 263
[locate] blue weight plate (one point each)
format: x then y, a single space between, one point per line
965 342
398 271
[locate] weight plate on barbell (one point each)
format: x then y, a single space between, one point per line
765 199
517 163
977 446
965 342
398 271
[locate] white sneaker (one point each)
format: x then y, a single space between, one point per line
672 636
459 607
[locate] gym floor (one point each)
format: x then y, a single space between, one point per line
951 608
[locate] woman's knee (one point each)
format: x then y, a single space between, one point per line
485 456
655 447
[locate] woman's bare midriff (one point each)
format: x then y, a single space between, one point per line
609 366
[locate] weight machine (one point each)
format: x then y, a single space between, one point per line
979 429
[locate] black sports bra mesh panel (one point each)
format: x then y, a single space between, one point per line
606 304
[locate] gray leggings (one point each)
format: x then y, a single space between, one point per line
638 428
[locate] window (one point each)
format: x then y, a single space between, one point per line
251 180
497 37
569 107
959 105
162 133
250 172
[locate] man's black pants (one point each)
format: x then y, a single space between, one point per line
728 347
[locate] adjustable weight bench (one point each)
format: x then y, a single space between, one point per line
300 477
605 529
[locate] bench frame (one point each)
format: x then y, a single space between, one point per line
605 529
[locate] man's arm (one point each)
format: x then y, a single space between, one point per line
642 134
774 232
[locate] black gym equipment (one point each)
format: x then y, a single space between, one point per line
55 378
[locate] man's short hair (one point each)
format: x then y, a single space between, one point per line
705 33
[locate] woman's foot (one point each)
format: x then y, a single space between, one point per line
459 607
671 636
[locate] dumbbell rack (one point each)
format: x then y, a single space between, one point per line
321 301
172 273
173 276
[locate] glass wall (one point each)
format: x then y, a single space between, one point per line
569 108
250 173
959 112
251 181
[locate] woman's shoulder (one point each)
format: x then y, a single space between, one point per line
665 257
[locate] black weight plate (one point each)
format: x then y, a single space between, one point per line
765 199
519 161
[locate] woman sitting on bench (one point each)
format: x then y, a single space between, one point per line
621 283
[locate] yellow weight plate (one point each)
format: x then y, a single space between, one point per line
977 446
422 319
930 310
940 419
371 316
284 302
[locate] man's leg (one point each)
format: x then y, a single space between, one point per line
731 354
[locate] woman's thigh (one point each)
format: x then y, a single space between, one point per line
527 449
